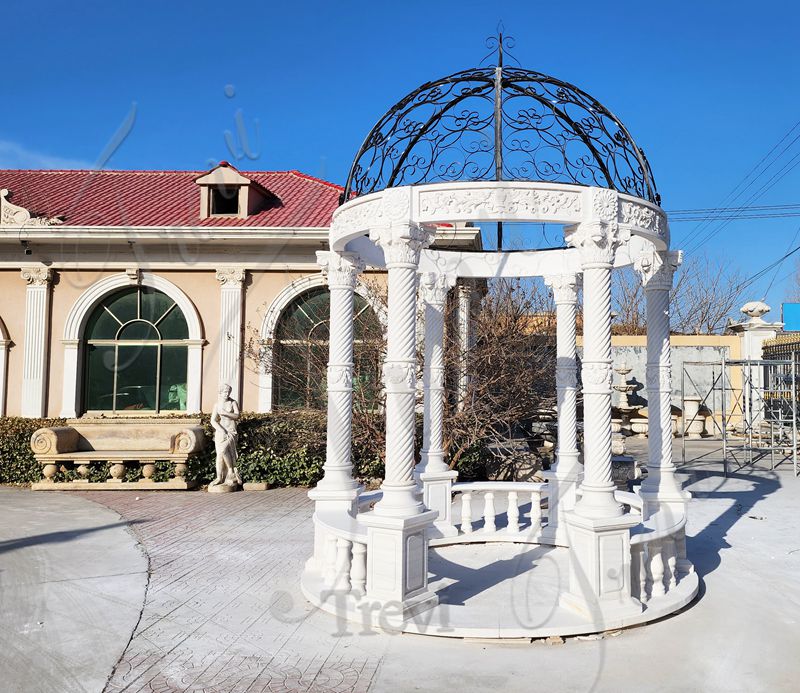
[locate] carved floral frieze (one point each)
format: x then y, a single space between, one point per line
499 202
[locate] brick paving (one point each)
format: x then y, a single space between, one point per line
223 611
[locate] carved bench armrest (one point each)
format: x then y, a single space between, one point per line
50 441
188 440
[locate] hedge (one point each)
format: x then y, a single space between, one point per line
17 464
281 448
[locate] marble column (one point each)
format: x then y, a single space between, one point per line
598 530
36 341
231 325
597 243
399 527
401 246
435 475
341 271
464 319
563 480
660 486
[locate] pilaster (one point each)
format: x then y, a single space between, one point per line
36 341
231 325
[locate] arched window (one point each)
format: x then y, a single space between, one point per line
136 353
300 352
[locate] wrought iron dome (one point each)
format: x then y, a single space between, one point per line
500 123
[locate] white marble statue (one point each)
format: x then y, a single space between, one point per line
223 421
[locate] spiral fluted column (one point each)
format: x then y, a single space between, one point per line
434 290
563 479
597 242
401 246
341 271
657 270
435 476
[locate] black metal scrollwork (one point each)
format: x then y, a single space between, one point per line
500 123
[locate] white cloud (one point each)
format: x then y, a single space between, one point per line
13 155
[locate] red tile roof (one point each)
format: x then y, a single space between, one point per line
163 198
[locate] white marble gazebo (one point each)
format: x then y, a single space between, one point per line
613 558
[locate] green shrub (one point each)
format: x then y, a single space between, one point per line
280 448
17 463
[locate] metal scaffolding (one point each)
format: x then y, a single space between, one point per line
749 406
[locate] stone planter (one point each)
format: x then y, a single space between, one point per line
639 427
692 420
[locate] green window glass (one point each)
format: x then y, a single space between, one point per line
136 353
300 352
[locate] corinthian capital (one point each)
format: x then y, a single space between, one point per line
402 243
564 287
597 241
37 276
231 277
434 287
340 269
657 268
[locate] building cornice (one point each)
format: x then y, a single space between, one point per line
162 233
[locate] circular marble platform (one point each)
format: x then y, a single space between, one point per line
512 591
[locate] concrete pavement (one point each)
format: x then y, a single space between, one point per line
224 613
72 586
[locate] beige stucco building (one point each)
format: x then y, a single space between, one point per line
144 291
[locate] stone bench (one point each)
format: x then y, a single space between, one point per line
120 443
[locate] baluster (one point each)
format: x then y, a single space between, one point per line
329 566
682 565
680 544
342 565
358 571
671 561
513 512
656 569
536 512
638 573
488 512
466 512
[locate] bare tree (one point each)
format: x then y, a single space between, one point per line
509 362
705 295
510 367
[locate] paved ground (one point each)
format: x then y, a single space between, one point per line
223 611
72 585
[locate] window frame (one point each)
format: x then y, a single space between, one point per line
116 343
309 344
216 190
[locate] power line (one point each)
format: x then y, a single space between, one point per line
733 195
777 269
793 205
737 217
782 173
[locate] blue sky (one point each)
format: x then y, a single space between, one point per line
706 88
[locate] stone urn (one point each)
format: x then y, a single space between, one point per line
695 424
639 427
